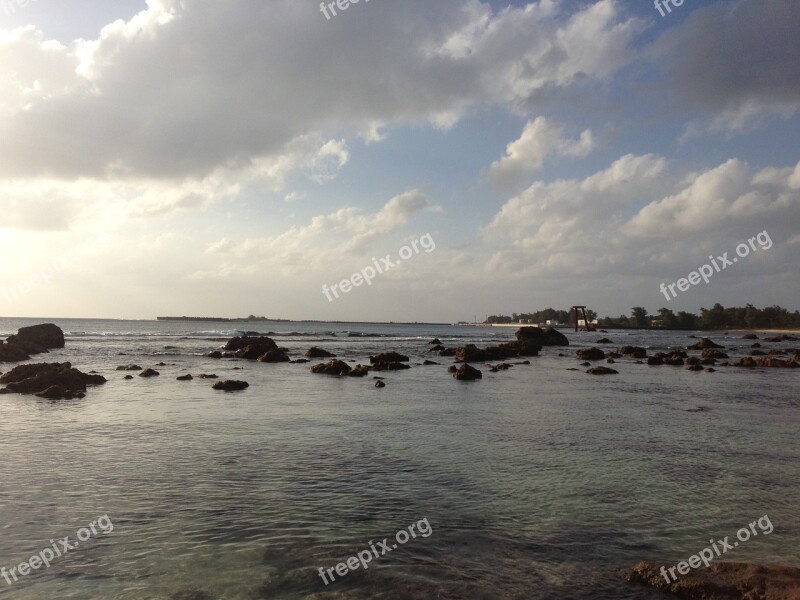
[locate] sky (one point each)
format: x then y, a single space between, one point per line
236 157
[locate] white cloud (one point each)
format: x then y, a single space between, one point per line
540 138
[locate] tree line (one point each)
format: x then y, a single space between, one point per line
717 317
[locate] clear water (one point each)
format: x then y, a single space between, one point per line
538 482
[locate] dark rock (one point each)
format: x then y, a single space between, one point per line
231 386
590 354
713 353
274 356
757 353
756 345
205 376
334 367
447 352
301 361
604 341
602 371
241 342
613 355
452 369
161 364
750 336
380 384
428 363
708 361
359 371
55 380
47 336
695 368
610 361
777 352
214 354
12 353
467 373
692 361
149 373
130 368
390 366
655 360
437 348
722 581
633 351
128 377
185 378
674 361
776 363
778 338
536 336
319 353
435 342
711 370
703 344
388 357
586 364
524 362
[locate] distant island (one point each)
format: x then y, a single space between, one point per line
249 319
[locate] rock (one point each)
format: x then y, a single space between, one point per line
586 364
149 373
231 386
380 384
711 370
590 354
47 336
713 353
692 361
390 366
747 361
274 356
722 581
452 369
633 351
388 357
185 378
319 353
602 371
613 355
674 361
437 348
467 373
334 367
54 380
447 352
779 338
524 362
161 364
703 344
428 363
604 341
240 342
205 376
214 354
359 371
756 345
695 368
541 337
12 353
435 342
130 368
750 336
610 361
708 361
300 361
128 377
776 363
655 360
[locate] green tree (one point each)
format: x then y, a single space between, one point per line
639 318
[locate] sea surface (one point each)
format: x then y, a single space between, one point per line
538 482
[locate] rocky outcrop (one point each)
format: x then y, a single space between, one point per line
767 361
714 353
380 384
633 351
604 341
750 336
334 367
467 373
722 581
250 348
777 338
542 337
185 377
388 357
590 354
274 356
130 368
149 373
319 353
231 386
29 341
703 344
49 380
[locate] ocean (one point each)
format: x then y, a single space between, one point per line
537 482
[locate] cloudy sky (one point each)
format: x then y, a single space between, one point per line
228 157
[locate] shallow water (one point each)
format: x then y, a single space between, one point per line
538 482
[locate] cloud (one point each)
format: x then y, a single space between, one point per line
738 61
98 108
540 138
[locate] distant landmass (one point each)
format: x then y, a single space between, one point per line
249 319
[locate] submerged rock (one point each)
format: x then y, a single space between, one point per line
590 354
130 368
334 367
185 378
380 384
633 351
231 386
149 373
602 371
319 353
722 581
274 356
